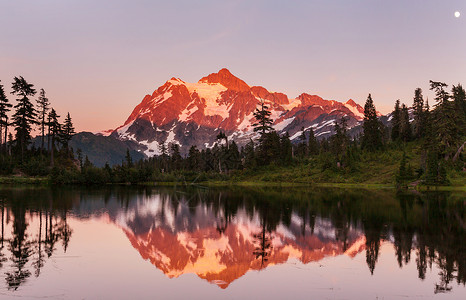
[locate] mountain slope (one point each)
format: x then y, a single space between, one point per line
104 149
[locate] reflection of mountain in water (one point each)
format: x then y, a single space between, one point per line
181 239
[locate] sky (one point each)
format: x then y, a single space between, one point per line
97 59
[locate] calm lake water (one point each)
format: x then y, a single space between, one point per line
239 243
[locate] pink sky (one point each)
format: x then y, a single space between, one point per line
97 60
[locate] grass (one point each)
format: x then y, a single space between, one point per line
23 180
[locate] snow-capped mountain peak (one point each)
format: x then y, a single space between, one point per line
192 113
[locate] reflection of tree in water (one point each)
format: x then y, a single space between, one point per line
373 232
436 235
20 248
2 255
25 246
39 262
263 243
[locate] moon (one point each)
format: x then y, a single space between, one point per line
457 14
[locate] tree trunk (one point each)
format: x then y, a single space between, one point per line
42 146
460 149
51 151
6 131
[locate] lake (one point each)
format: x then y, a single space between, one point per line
231 243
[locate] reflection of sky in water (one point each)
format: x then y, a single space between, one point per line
104 258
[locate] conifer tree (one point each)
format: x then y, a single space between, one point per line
458 95
313 144
286 148
249 155
67 132
264 121
405 126
163 157
193 159
396 121
79 155
372 133
418 111
340 140
302 149
444 120
54 131
25 115
128 159
4 109
43 107
233 158
402 171
176 158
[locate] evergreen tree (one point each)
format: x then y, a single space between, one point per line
444 120
405 172
372 133
432 167
54 131
459 99
163 157
402 176
313 143
176 159
418 113
264 121
79 154
43 107
4 109
396 121
340 140
128 159
286 148
405 126
269 148
25 115
67 132
302 149
233 157
249 155
193 159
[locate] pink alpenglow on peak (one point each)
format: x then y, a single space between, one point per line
192 114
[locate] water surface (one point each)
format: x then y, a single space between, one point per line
197 243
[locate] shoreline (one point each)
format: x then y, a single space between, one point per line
21 180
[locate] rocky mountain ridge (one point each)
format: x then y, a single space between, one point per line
194 113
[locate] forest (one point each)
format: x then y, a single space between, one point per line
421 145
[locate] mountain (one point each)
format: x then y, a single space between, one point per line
100 149
104 149
193 113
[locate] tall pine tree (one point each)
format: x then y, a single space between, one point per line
4 109
43 108
444 120
405 126
54 132
25 115
264 122
372 131
396 121
418 111
67 132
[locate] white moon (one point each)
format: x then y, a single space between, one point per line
457 14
